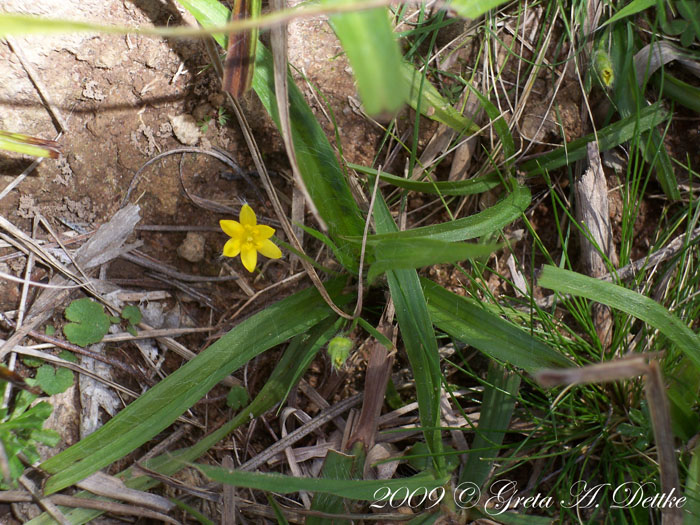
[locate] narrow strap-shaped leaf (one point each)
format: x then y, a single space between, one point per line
631 302
418 338
461 187
496 412
608 137
365 490
416 253
488 221
468 321
374 55
161 405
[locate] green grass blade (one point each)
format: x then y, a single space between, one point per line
679 91
364 490
26 145
161 405
416 253
432 104
499 124
462 187
375 58
472 9
692 489
319 167
496 412
608 137
629 101
335 466
482 223
468 321
419 340
634 7
630 302
317 162
293 363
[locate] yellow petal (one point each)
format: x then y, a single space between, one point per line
249 258
247 216
232 247
232 228
269 249
264 232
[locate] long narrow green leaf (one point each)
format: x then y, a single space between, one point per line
293 363
319 167
482 223
468 321
634 7
629 100
679 91
633 303
496 411
336 466
692 489
369 43
461 187
161 405
317 162
471 9
432 104
608 137
364 490
419 340
499 124
416 253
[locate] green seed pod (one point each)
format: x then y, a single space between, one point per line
604 68
339 349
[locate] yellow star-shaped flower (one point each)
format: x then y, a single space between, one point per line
248 238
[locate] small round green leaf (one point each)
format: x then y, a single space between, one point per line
237 397
52 380
132 314
90 322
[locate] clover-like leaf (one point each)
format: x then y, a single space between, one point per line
53 380
132 314
90 322
237 397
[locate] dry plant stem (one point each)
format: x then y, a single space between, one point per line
228 512
376 378
142 260
358 305
177 484
278 35
111 487
632 269
592 212
265 177
299 433
103 245
5 466
44 503
661 424
77 349
38 84
222 157
626 368
21 309
18 496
